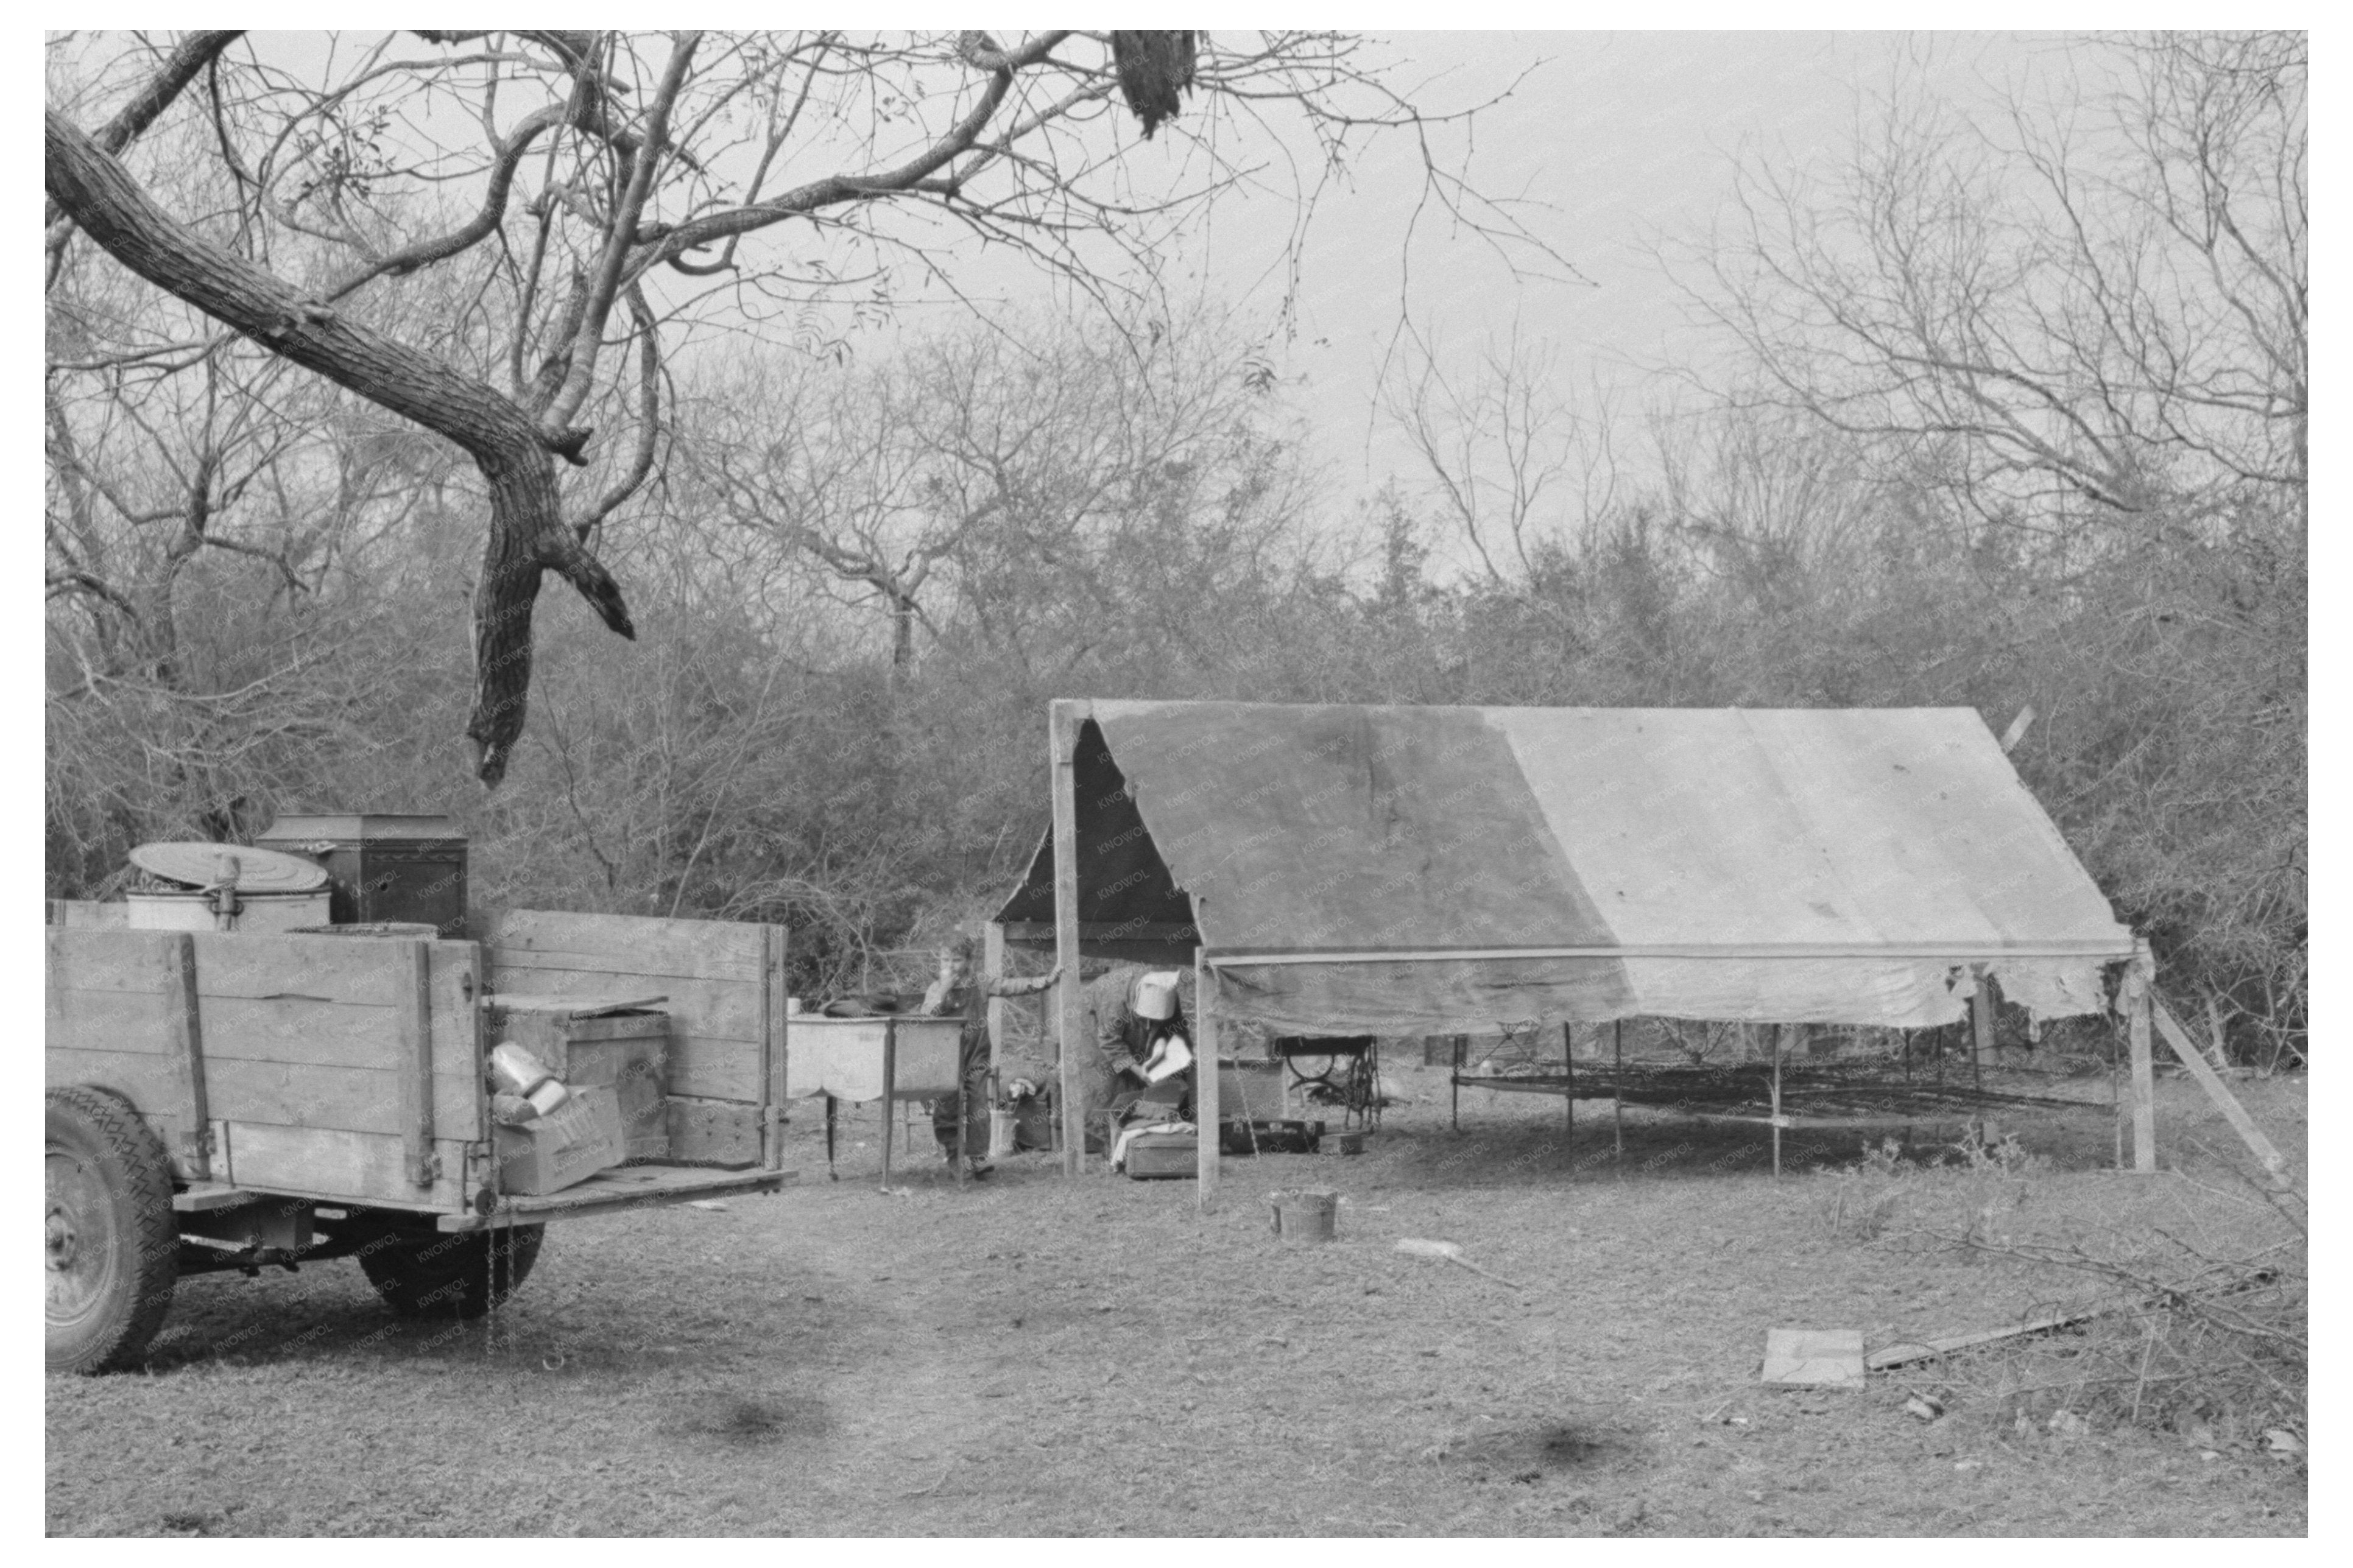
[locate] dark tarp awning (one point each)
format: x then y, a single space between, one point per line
1428 870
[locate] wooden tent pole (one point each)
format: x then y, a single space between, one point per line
1617 1090
1454 1116
1063 720
2116 1089
1205 1079
1981 1028
890 1092
1569 1054
992 967
2143 1061
1777 1097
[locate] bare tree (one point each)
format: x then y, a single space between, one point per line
2097 301
608 196
1034 483
1507 455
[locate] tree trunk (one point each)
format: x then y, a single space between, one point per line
903 635
527 534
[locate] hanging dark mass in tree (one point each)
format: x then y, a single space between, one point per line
1154 68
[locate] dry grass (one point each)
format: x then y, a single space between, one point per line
1035 1357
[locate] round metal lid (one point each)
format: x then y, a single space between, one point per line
258 870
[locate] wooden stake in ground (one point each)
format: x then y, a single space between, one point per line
1063 720
1777 1097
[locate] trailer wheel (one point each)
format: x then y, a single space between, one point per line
113 1247
428 1274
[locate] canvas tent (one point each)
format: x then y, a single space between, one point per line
1419 870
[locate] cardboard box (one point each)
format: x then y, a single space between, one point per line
563 1148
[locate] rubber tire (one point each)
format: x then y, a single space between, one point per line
115 1209
429 1274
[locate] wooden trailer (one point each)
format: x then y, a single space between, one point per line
230 1101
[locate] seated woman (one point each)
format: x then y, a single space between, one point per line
1142 1042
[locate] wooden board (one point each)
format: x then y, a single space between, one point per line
709 950
90 914
333 1163
350 1100
126 1021
1813 1358
82 959
363 970
714 1069
714 1131
2184 1048
730 1009
525 1024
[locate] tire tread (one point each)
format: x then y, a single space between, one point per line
155 1229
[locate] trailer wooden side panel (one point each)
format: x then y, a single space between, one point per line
111 1003
299 1053
722 979
307 1032
332 1164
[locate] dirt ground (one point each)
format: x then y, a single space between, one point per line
1033 1356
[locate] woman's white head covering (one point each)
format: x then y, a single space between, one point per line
1156 995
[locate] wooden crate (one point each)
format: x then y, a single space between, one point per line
622 1046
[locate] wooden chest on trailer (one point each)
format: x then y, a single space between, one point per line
618 1043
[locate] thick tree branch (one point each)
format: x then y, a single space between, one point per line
622 234
527 534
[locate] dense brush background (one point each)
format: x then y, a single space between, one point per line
790 740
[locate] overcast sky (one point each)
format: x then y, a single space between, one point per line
1625 135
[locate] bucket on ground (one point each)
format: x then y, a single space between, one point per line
1305 1213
